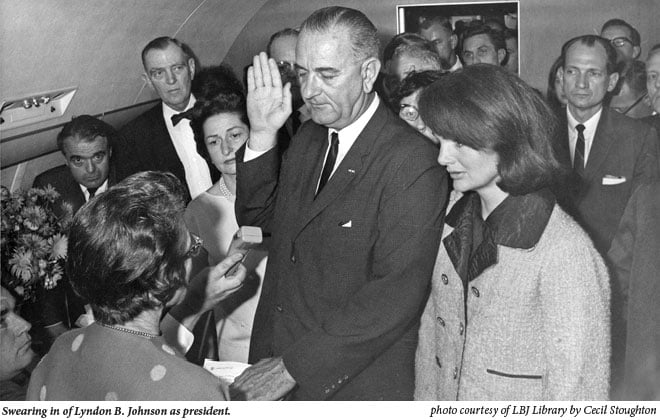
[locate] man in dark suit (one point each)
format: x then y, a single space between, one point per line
610 153
87 144
161 139
355 207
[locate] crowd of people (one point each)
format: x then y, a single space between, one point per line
436 229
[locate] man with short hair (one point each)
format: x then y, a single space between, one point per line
414 56
611 154
161 138
625 39
282 48
355 209
481 44
87 144
438 30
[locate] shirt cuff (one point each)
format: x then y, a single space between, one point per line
176 335
252 154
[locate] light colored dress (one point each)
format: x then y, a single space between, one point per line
98 363
212 218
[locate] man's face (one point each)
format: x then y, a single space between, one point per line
479 49
443 40
170 74
653 80
621 39
512 51
89 162
15 350
585 79
333 82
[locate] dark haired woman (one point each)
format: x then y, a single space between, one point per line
519 307
221 127
130 258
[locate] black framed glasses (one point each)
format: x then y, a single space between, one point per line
195 246
620 41
285 67
408 112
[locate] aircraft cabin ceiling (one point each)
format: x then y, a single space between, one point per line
94 46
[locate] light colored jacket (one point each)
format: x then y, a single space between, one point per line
537 324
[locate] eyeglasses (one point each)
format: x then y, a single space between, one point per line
195 246
408 112
285 66
620 41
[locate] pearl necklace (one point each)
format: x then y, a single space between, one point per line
223 188
130 331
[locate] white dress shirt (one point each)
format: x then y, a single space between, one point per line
102 188
589 132
198 175
347 137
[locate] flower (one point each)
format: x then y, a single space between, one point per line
33 242
21 265
58 246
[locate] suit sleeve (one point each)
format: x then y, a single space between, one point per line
390 302
256 189
647 167
575 298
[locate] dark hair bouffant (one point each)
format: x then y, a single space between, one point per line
219 92
128 247
485 107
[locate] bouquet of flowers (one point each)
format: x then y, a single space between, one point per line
33 242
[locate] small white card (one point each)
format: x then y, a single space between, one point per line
613 180
226 371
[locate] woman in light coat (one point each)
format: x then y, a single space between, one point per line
519 306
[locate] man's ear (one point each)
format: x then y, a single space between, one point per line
453 41
501 55
191 66
636 51
614 78
369 71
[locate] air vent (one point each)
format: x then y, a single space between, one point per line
35 108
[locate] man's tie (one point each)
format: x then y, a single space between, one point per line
92 192
329 161
176 118
578 159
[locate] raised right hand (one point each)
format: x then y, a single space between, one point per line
268 102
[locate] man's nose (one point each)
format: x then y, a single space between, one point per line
90 167
309 87
170 77
583 80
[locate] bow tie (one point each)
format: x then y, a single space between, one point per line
176 118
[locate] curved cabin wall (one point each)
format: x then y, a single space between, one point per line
95 45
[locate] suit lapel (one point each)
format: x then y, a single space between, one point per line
600 146
347 170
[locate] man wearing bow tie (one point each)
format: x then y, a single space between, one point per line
161 138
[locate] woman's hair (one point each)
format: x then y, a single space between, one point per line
412 83
486 107
220 93
128 247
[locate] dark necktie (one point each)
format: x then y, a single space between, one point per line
176 118
578 159
329 161
92 192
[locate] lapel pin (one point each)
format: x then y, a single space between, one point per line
351 171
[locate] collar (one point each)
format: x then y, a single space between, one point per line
102 188
457 65
168 111
589 125
351 132
518 222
